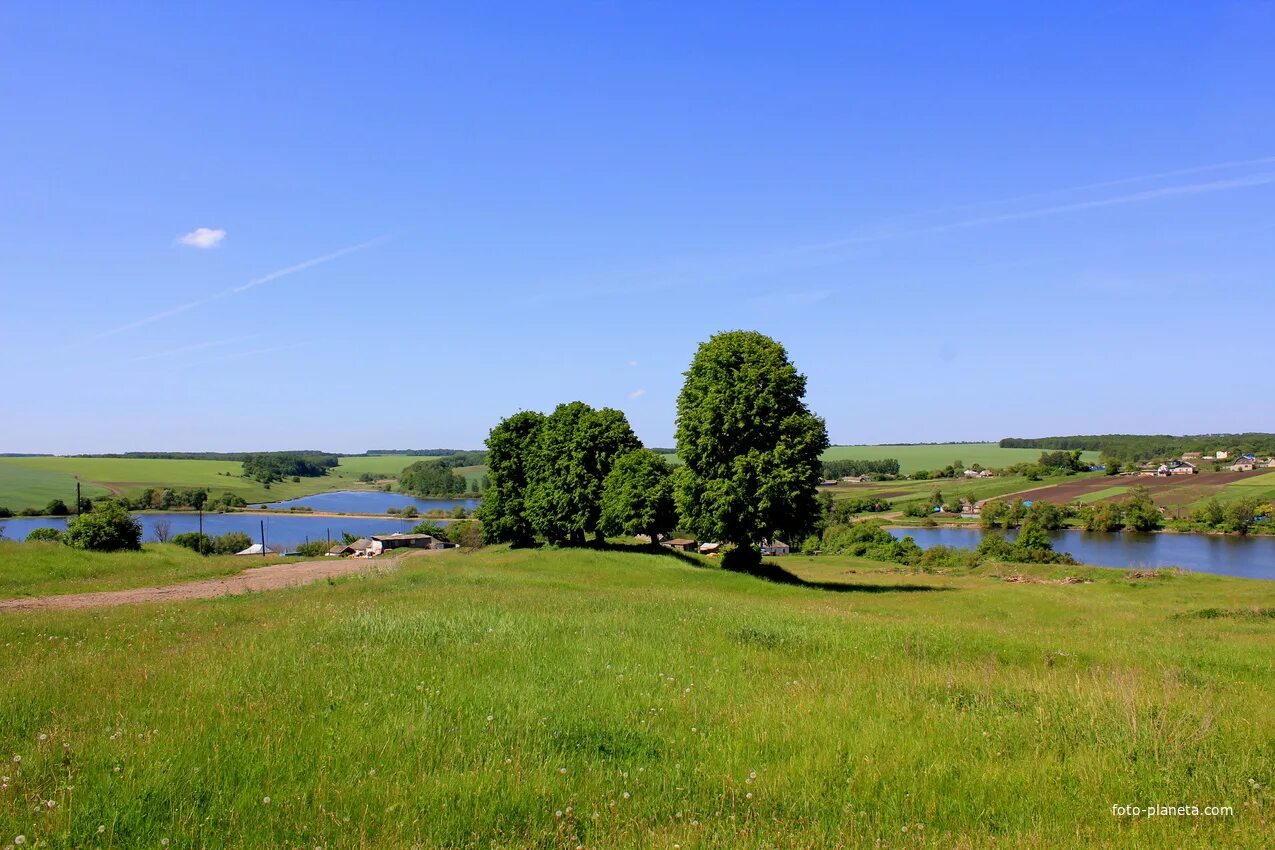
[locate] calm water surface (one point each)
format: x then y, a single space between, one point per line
285 530
1248 557
371 502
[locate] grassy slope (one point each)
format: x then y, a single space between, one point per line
471 698
912 458
35 569
27 487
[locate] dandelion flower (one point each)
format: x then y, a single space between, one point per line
490 717
562 770
748 796
17 759
625 795
558 813
265 801
101 829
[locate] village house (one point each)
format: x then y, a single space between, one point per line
368 547
1244 464
774 547
1181 467
1192 455
710 549
827 482
680 544
856 479
1221 454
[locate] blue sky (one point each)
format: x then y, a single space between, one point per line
964 222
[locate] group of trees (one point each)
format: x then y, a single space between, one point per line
1236 516
851 467
225 544
431 478
268 467
749 448
548 473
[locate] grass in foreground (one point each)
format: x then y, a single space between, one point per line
603 699
39 569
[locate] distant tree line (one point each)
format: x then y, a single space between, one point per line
231 456
1144 447
431 478
852 467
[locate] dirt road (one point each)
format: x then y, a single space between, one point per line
252 580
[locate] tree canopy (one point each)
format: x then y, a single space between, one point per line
637 497
750 446
431 478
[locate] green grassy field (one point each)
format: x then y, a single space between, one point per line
37 569
32 481
554 699
912 458
24 486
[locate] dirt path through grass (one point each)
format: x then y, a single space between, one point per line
252 580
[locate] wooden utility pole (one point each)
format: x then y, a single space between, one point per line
263 538
77 499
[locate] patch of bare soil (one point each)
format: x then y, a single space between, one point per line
252 580
1022 579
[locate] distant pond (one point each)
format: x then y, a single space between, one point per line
369 502
1247 557
286 530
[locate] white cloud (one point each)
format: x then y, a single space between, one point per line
203 237
638 393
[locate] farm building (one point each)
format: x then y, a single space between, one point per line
856 479
681 544
367 547
1192 455
1244 464
774 547
1182 468
827 482
1222 455
710 548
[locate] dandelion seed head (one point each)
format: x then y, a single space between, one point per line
101 828
265 801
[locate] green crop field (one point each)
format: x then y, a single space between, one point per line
23 486
562 699
32 481
912 458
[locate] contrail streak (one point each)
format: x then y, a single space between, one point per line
1260 179
257 281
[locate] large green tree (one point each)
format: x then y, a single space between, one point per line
510 448
576 448
430 478
637 497
749 444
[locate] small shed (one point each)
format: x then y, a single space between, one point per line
681 544
775 547
710 549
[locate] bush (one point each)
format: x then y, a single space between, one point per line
314 548
917 509
467 534
46 535
193 541
56 507
231 543
110 528
433 529
870 540
5 513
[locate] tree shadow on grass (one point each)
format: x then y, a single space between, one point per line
768 571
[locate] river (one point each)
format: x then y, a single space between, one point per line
1247 557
